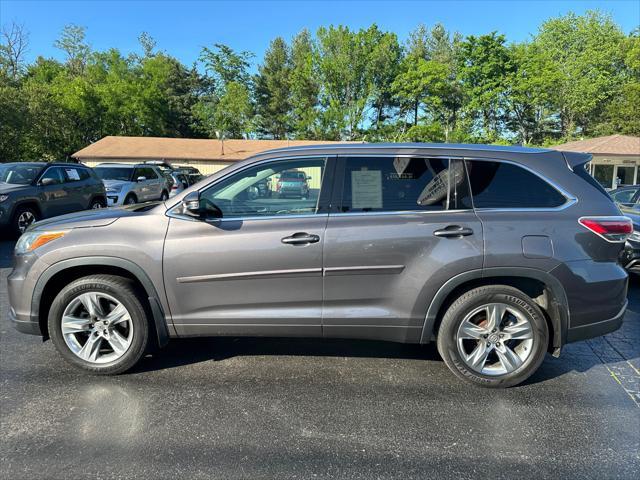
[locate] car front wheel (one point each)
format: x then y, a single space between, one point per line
22 218
493 336
99 325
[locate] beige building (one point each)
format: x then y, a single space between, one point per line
206 155
616 158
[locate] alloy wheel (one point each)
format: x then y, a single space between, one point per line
97 327
25 219
495 339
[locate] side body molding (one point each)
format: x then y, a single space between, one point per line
159 318
559 311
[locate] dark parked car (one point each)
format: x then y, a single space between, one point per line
32 191
497 254
626 196
630 257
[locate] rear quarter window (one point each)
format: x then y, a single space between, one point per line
504 185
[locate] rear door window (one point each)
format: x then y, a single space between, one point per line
388 184
75 174
504 185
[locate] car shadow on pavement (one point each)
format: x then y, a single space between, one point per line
188 351
180 352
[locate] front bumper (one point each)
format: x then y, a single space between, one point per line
21 284
28 325
112 200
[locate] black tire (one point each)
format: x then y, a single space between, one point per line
474 299
97 203
119 288
130 199
17 221
164 196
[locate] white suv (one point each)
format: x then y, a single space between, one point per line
127 184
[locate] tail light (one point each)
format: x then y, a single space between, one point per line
612 229
174 187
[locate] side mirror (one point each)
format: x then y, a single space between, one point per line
47 181
194 206
191 204
141 179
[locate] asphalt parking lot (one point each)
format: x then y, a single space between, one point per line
283 408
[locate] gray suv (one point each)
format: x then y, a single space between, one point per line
127 184
30 191
497 254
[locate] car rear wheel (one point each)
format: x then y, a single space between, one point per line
99 325
494 336
22 218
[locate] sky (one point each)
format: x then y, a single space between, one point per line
182 28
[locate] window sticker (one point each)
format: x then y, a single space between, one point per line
72 174
366 189
400 164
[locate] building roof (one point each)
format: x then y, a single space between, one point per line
610 145
176 149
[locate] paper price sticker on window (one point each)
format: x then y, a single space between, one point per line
72 174
366 189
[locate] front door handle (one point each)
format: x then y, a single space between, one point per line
301 238
453 231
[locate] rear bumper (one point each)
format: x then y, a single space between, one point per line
596 296
597 329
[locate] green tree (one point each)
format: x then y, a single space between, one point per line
272 91
304 87
384 65
622 112
587 51
72 42
225 65
342 59
530 82
483 67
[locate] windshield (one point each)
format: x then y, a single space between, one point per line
114 173
19 174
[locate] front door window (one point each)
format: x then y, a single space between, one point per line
290 187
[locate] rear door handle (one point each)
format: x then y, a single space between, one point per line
301 238
453 231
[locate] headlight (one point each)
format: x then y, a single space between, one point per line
3 198
114 189
31 240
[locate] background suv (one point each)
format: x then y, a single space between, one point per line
127 184
292 183
497 254
32 191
